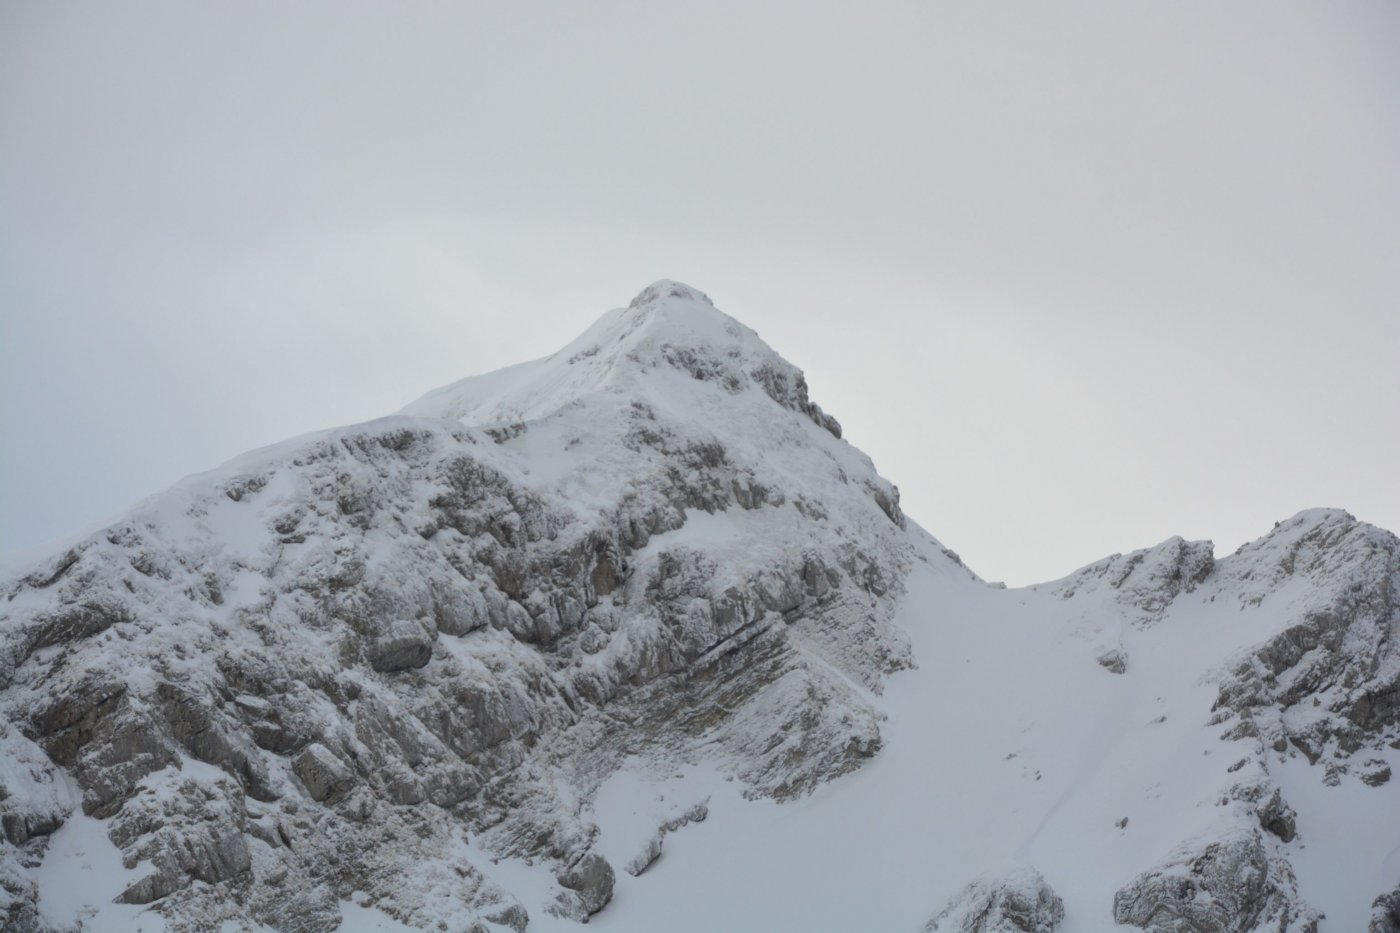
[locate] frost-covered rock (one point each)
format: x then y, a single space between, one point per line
34 800
1277 817
646 856
1144 583
19 897
1375 772
1014 901
589 887
185 830
1231 883
651 848
1327 686
1114 660
1385 913
321 772
405 645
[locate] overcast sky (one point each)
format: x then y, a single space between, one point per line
1078 276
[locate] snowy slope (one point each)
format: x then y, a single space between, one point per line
1011 747
629 634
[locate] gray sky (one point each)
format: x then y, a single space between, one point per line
1078 276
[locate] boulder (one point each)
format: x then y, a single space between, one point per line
590 881
1015 901
406 645
322 773
1225 884
1114 661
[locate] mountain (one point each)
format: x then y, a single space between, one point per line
629 635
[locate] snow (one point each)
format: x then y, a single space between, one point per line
361 918
81 876
1349 840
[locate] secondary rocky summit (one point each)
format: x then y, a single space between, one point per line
371 667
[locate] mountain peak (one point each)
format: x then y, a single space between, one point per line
668 328
669 289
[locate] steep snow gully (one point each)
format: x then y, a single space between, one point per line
630 636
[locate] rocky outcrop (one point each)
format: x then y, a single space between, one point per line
588 886
19 898
187 830
1230 883
405 645
1328 686
321 772
1144 583
781 381
1277 817
1015 901
1374 771
1385 913
1263 799
1115 661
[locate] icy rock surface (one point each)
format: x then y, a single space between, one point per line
1328 685
1016 901
1385 913
589 887
1232 883
1144 583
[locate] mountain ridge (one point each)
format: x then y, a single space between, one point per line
482 664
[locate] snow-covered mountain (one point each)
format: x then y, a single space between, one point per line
629 635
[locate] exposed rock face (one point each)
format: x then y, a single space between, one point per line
1385 913
293 677
1319 688
1230 883
188 831
406 645
1017 901
19 898
33 803
321 773
1327 687
1277 817
1145 582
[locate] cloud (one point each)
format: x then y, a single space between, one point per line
1079 277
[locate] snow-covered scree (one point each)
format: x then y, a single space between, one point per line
630 635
